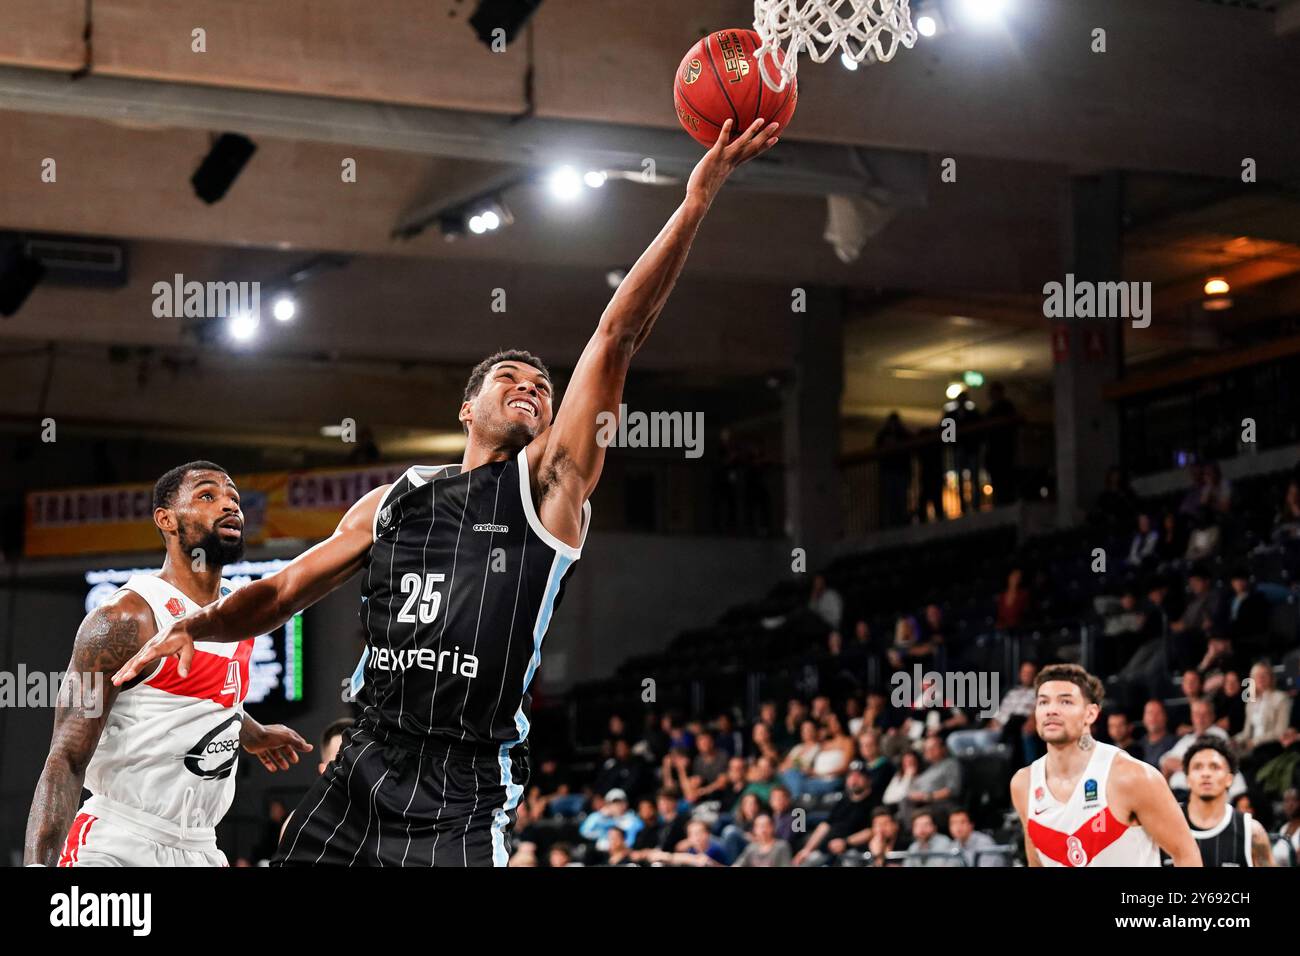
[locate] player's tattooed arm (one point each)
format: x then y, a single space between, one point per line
1261 851
105 641
266 604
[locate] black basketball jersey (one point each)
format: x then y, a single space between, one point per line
1227 843
457 595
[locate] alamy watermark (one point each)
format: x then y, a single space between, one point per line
964 689
179 299
1082 299
22 688
651 430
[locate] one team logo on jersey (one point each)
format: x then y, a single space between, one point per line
1038 793
385 516
495 528
175 607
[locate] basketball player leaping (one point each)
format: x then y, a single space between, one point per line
158 754
464 566
1087 803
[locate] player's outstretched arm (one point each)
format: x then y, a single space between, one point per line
1147 793
105 641
264 605
571 453
1020 797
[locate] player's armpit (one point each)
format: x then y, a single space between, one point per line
107 638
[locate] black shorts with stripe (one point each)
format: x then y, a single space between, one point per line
409 803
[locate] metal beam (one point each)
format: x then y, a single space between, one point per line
798 169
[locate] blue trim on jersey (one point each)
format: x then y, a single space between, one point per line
513 790
359 675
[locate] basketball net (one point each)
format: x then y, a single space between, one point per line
858 28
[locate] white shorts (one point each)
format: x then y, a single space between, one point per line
101 841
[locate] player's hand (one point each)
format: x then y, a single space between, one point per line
720 161
277 746
171 641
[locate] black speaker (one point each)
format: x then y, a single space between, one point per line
19 275
222 166
509 15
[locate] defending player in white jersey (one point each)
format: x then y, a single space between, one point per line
158 754
1087 803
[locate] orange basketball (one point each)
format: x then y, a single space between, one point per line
719 80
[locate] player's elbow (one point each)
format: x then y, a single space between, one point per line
618 333
66 763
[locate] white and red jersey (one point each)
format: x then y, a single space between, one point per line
1082 831
166 760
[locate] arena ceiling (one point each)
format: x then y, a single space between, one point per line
432 117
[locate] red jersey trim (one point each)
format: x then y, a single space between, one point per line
1081 847
209 676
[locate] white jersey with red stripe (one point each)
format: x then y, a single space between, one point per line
1083 831
165 764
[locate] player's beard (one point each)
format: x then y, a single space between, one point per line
501 431
217 551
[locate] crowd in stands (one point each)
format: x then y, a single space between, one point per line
1192 631
1189 616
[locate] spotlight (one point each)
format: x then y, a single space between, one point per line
1217 286
507 15
477 226
595 178
284 309
983 11
954 389
222 166
242 326
614 277
848 61
490 219
565 183
926 25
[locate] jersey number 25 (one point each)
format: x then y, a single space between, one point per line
428 596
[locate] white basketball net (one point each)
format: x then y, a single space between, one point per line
857 28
